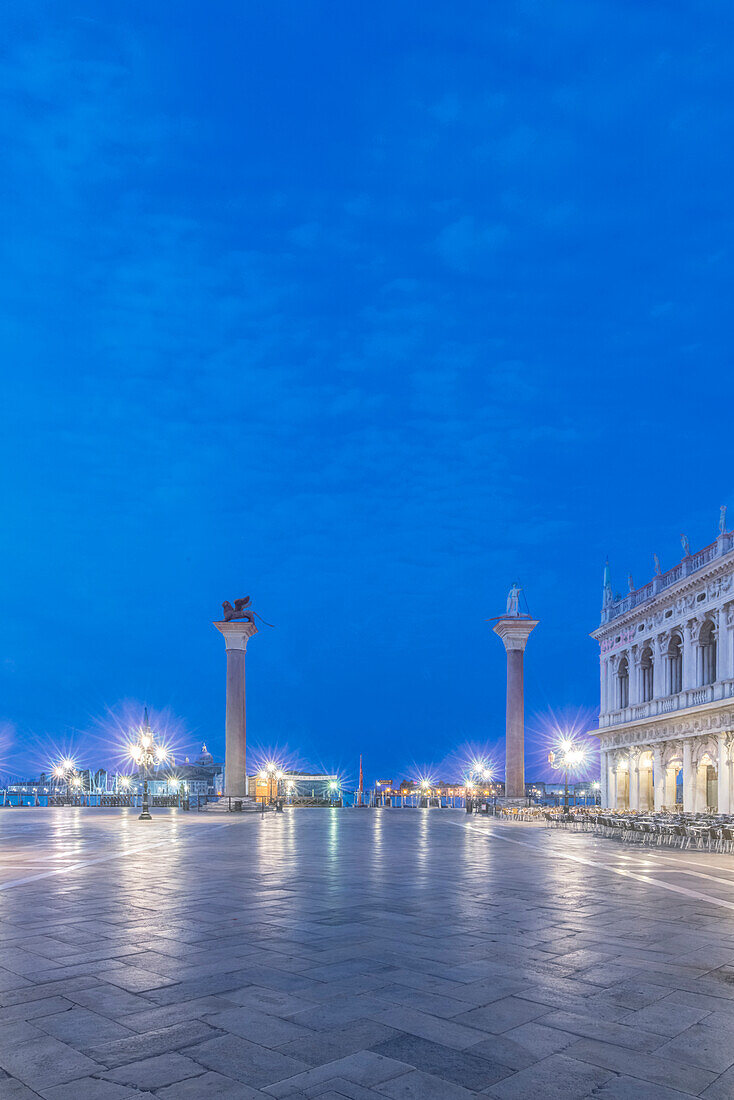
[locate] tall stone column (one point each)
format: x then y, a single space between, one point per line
236 636
514 632
603 777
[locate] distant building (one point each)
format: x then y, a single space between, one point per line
295 786
203 777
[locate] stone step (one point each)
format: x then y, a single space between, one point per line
226 805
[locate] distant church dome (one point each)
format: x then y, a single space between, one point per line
205 757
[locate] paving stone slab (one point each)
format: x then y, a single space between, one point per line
153 1073
558 1077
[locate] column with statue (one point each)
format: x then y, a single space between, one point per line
237 627
514 628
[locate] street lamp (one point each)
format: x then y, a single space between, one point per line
144 752
65 773
568 757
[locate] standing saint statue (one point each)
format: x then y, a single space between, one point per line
658 570
513 600
686 547
722 519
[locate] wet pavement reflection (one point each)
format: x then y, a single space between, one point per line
399 952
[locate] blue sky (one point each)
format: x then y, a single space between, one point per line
367 311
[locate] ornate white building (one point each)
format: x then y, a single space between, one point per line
667 686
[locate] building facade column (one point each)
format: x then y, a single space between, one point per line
611 703
236 636
658 777
700 801
603 776
658 669
722 656
689 658
688 779
671 786
603 682
514 632
633 671
633 799
724 777
726 620
612 805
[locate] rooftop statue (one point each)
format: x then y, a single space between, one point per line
239 611
658 570
513 600
722 519
630 583
686 547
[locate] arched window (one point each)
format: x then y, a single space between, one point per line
623 681
707 649
646 671
675 665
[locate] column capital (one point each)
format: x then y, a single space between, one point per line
236 634
515 631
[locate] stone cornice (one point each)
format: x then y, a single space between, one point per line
718 715
662 601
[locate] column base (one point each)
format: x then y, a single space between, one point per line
230 803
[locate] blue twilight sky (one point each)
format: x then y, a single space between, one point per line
366 310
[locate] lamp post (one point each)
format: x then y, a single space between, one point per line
144 752
569 756
65 772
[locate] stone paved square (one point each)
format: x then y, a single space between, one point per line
357 953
